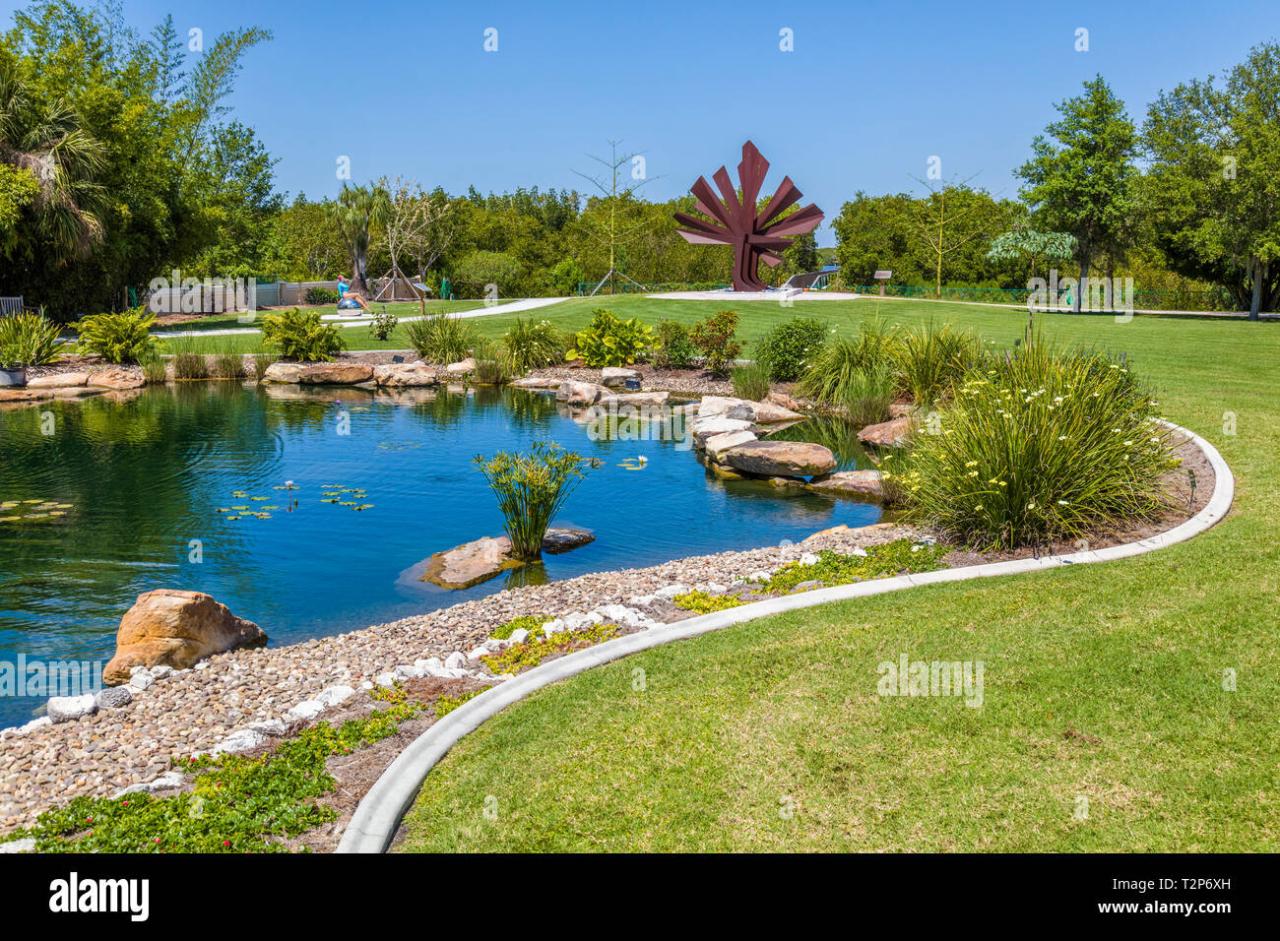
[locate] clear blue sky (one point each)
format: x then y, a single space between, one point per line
871 90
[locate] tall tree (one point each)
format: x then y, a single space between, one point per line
1214 183
1081 177
356 212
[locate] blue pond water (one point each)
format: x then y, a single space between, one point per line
147 476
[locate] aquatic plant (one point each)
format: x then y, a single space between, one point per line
531 488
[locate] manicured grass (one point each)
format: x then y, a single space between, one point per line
1102 682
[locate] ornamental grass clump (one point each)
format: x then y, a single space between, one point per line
531 488
838 369
1038 447
28 339
440 338
532 345
932 362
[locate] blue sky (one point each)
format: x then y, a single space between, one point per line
870 92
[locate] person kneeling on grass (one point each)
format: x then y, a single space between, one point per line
349 299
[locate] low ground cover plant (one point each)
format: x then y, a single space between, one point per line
900 557
526 655
440 338
238 804
785 351
118 338
702 602
611 341
529 622
302 336
1040 446
28 339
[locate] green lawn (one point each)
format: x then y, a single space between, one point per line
1103 681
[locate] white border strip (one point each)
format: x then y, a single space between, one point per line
377 818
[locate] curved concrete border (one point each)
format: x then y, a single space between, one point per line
378 816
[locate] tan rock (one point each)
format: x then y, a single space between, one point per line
782 459
888 434
470 563
615 377
335 374
636 398
61 380
283 373
580 393
768 413
704 429
398 375
856 483
538 382
719 445
118 377
176 629
462 367
721 406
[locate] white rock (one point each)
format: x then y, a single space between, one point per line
272 727
238 741
455 660
477 653
553 627
718 445
18 846
518 636
858 550
335 695
763 575
167 781
643 600
202 665
141 680
670 591
367 685
34 724
621 614
160 671
808 558
406 672
70 708
429 666
385 680
306 710
580 620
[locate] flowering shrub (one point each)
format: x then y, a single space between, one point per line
1038 447
714 338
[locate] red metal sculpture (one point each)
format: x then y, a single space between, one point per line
755 235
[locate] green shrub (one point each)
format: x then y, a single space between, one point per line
672 348
302 336
28 339
318 297
491 364
714 338
702 602
1036 448
440 338
751 381
610 341
188 364
383 325
227 366
531 488
865 396
154 370
532 345
843 361
786 350
529 622
118 338
900 557
931 362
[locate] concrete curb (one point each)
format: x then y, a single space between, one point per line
378 816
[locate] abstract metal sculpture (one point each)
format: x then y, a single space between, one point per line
755 235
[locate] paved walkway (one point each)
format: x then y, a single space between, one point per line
512 307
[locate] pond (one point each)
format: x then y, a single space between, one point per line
180 487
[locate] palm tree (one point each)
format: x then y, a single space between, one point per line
357 209
48 141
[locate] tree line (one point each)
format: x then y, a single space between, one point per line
119 161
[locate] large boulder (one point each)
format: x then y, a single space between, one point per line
481 559
118 377
580 393
538 382
335 374
768 413
856 483
706 428
615 377
887 434
781 459
558 539
59 380
636 398
719 445
176 629
462 367
399 375
720 406
283 373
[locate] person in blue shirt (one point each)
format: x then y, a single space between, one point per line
347 298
